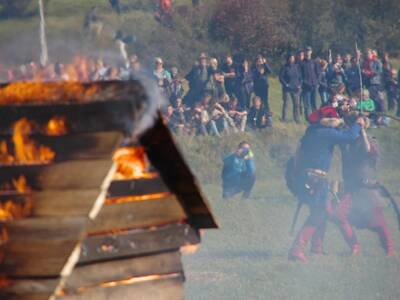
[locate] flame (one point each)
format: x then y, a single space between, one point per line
189 249
11 210
137 198
18 185
26 150
123 282
56 126
132 164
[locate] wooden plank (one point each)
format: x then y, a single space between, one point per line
161 289
95 274
40 246
138 214
24 297
51 203
137 242
86 174
82 146
119 107
31 286
160 147
121 188
78 174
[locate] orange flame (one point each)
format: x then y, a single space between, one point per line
26 150
11 210
189 249
137 198
56 126
16 184
132 164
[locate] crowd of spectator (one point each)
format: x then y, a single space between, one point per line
217 98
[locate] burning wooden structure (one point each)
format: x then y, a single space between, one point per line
85 212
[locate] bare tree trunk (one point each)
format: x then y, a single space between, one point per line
44 56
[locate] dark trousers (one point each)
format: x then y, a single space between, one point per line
376 94
244 98
310 100
264 95
240 183
295 96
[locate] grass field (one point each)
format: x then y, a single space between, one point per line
247 257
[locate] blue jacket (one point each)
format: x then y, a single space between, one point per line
233 166
317 145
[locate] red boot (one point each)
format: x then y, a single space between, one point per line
355 249
300 244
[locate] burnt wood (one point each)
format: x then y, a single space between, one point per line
116 107
117 270
136 187
160 148
134 243
160 289
138 214
40 246
32 296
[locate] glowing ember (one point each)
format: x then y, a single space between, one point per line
132 164
56 126
4 282
189 249
26 150
137 198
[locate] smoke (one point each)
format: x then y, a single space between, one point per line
150 107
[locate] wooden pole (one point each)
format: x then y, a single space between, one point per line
44 56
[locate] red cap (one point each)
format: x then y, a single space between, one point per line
323 112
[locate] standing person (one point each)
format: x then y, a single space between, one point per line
323 82
163 77
312 163
291 81
361 203
391 86
261 73
310 74
347 62
372 72
238 173
299 62
115 5
353 76
229 71
198 78
387 78
245 84
176 86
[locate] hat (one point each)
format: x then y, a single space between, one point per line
308 48
323 112
203 55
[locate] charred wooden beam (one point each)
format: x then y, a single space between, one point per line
166 158
133 243
136 187
138 214
170 288
123 269
115 107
